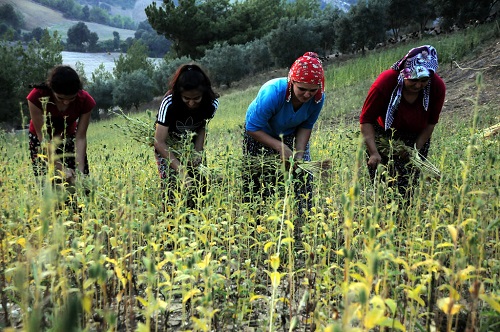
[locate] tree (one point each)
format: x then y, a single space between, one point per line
258 56
37 33
284 45
80 69
194 26
398 18
93 39
249 20
157 44
226 63
189 26
11 23
133 89
79 37
86 13
461 12
424 13
116 40
98 15
30 64
343 28
9 97
366 26
10 17
135 59
164 72
303 8
328 33
420 13
101 88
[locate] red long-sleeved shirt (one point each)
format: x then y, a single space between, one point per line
408 118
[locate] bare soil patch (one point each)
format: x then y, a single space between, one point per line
460 78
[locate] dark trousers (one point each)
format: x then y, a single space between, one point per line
262 174
399 166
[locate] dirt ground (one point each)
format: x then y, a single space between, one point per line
460 79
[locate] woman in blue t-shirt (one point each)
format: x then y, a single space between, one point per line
280 120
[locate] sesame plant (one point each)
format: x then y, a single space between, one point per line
120 256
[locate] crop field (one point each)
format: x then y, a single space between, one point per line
114 256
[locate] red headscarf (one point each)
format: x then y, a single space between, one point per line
307 69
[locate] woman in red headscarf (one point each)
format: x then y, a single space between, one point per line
280 120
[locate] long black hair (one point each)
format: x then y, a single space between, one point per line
191 77
62 80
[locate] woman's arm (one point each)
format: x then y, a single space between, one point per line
199 140
199 143
424 136
269 141
161 136
302 137
37 118
81 141
368 132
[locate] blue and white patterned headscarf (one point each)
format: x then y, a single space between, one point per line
420 62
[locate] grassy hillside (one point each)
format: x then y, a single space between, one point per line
36 15
137 13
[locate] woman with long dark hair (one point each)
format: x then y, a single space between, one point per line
182 117
60 114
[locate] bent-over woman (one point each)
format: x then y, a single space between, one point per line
403 103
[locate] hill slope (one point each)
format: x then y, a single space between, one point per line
137 13
460 79
36 15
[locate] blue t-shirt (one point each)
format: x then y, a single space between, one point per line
270 112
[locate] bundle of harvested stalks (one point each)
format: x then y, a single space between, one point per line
394 147
424 164
490 131
140 131
316 168
273 163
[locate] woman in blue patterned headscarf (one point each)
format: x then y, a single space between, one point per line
404 103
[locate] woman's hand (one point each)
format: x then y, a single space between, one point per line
69 175
374 160
187 181
368 132
195 161
286 153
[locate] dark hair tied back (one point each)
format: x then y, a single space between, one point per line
64 80
42 85
191 77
